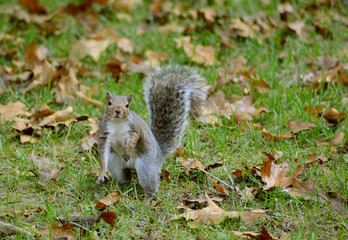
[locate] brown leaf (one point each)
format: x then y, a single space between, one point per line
33 6
339 203
8 229
337 139
299 126
109 217
108 200
11 110
327 62
314 111
211 166
125 45
91 47
155 58
220 188
306 190
247 193
201 199
36 55
23 138
58 232
47 168
274 175
114 66
313 158
283 136
298 27
43 73
212 214
61 117
198 53
190 163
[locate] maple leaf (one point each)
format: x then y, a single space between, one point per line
212 214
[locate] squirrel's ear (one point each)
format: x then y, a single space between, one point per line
129 97
108 96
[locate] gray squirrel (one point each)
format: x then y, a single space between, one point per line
127 143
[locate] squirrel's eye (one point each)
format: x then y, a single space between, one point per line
127 105
109 102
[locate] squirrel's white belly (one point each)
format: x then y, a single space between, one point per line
118 135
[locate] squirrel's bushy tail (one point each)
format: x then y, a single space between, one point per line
171 92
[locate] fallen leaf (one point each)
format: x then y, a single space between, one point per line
61 117
220 189
298 27
327 62
274 175
339 203
125 45
190 163
201 199
58 232
247 193
313 158
337 139
108 200
89 47
33 6
156 58
9 111
23 138
306 190
212 214
283 136
198 53
299 126
109 217
47 168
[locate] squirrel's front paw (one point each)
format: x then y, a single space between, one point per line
102 177
126 157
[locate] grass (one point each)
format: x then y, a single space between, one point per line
73 194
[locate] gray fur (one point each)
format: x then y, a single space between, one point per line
171 92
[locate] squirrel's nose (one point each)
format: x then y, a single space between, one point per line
117 112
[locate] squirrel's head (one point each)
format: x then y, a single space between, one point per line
117 106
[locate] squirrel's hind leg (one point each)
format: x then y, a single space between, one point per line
149 177
117 168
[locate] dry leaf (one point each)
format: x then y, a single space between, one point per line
327 62
221 189
93 48
112 198
198 53
299 126
313 158
212 214
11 110
61 117
306 190
109 217
47 168
283 136
298 27
125 45
190 163
337 139
247 193
201 199
274 175
339 203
